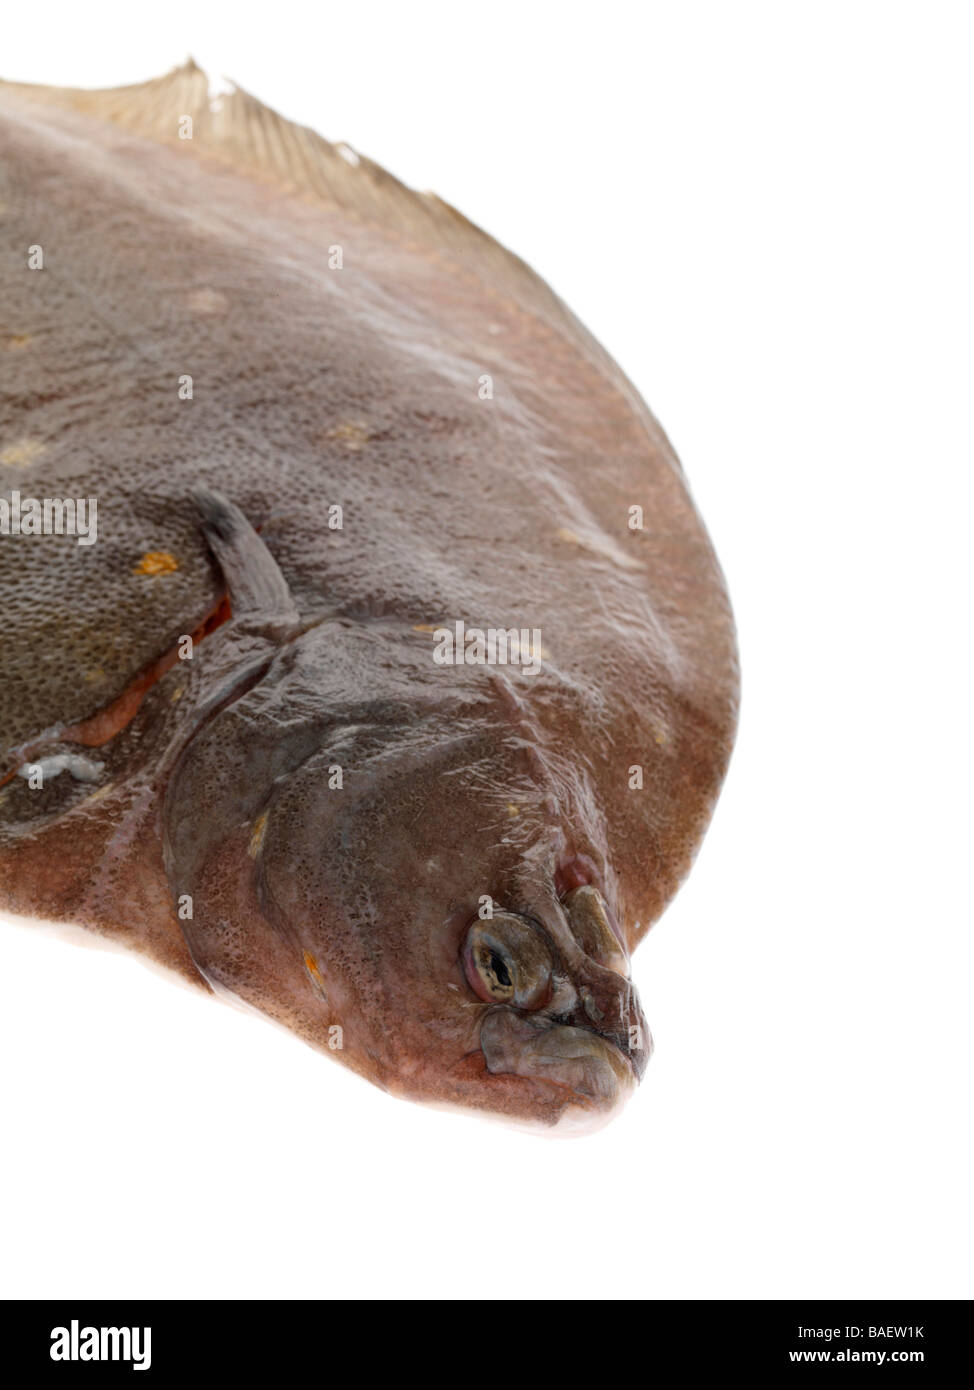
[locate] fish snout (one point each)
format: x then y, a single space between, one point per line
599 1050
609 1004
598 962
565 1011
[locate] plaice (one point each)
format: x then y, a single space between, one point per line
230 334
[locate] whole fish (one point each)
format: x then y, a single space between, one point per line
364 655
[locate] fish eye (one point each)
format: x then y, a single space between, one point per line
494 973
507 961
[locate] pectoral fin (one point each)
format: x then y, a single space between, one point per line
257 588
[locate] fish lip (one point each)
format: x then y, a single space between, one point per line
592 1069
643 1053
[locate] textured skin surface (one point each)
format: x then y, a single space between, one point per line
315 386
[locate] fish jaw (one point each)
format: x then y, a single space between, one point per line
599 1076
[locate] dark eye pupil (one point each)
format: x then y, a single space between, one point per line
499 970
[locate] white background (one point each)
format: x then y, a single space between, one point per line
764 211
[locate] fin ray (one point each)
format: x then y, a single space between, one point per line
254 139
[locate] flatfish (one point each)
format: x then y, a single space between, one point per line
364 657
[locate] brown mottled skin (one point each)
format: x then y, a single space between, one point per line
357 386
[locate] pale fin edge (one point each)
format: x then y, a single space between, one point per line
237 128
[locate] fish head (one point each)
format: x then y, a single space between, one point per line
391 875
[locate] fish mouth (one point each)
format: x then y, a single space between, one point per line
596 1074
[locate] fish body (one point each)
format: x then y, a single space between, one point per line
401 673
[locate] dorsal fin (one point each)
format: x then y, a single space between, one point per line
240 130
251 137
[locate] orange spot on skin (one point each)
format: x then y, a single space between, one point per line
314 974
22 454
156 562
354 434
257 835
